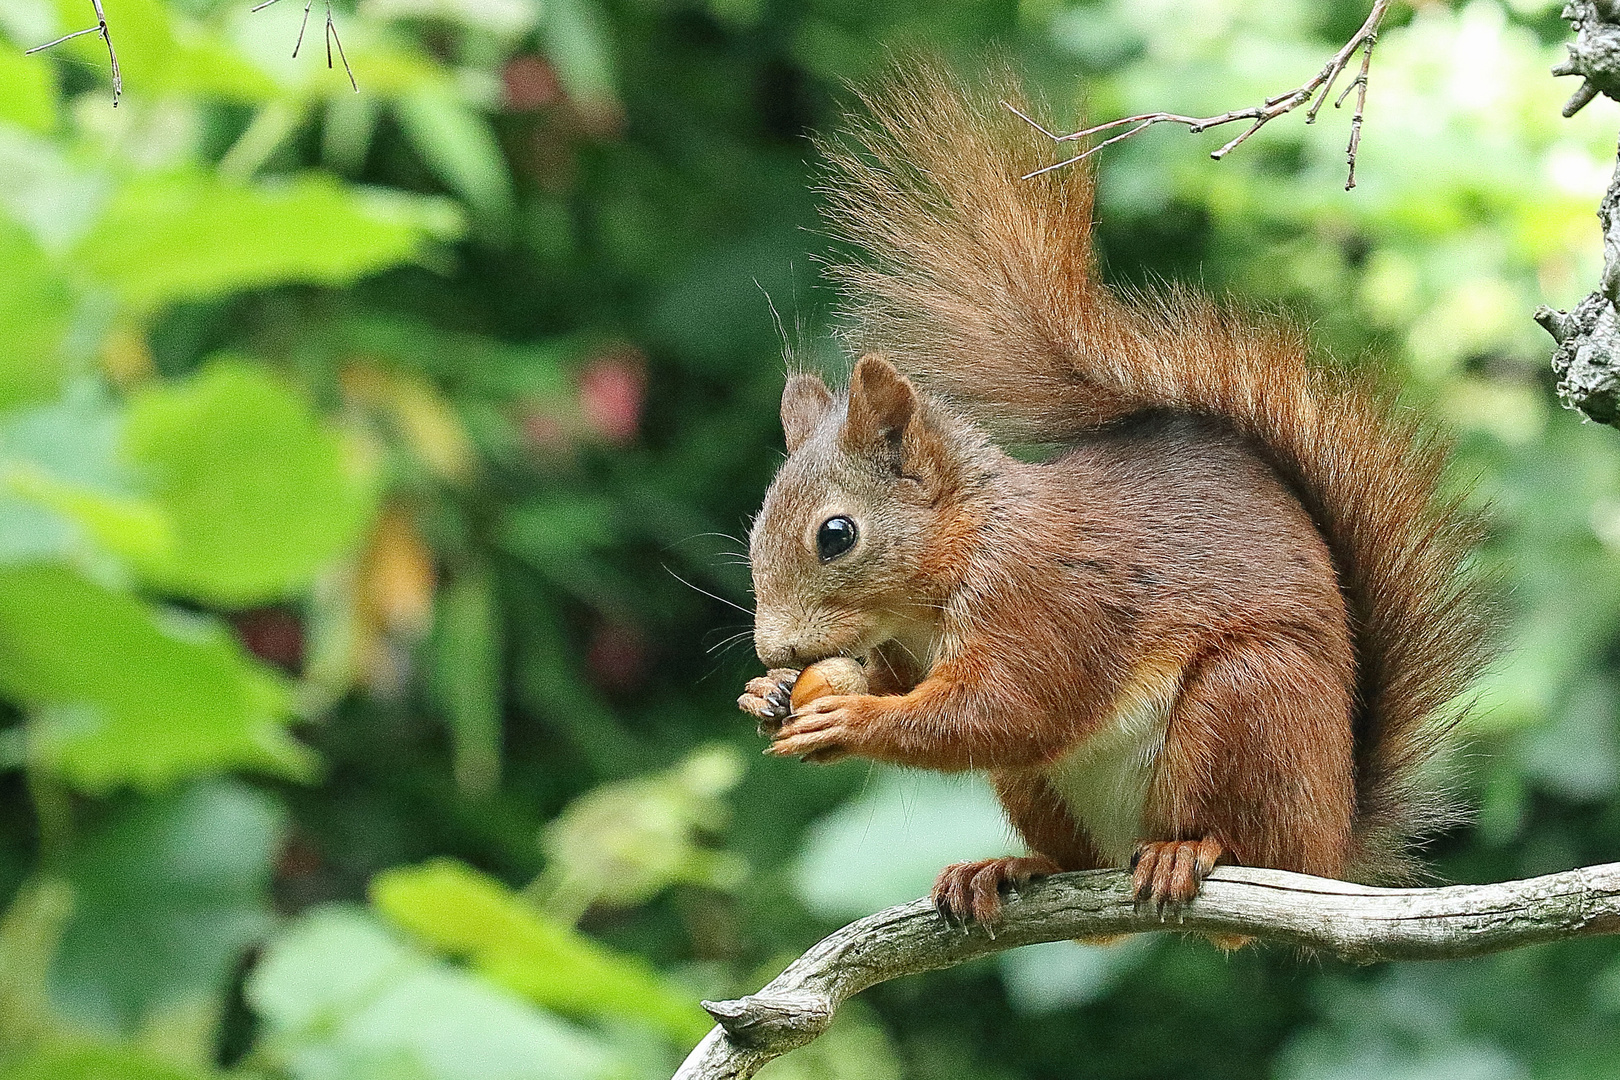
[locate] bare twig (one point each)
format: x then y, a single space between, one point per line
112 54
299 44
331 37
1317 88
1352 921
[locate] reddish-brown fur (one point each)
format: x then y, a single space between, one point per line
1243 555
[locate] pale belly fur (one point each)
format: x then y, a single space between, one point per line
1104 781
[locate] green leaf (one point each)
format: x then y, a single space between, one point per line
35 308
62 485
162 54
622 844
274 124
384 64
467 677
465 913
123 525
123 694
578 45
49 192
27 91
167 896
506 18
258 492
190 236
29 935
458 145
80 1062
340 996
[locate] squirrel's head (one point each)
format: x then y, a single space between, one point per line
854 545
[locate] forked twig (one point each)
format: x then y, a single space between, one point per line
331 37
1317 88
299 44
112 54
1360 86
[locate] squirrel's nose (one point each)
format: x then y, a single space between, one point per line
775 640
778 650
780 656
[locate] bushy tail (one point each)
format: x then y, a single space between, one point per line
982 285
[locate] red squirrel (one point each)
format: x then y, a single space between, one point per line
1222 622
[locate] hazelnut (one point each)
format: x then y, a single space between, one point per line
838 675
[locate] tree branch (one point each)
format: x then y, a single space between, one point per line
1262 114
1354 922
1587 360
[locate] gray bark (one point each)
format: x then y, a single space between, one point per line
1587 360
1354 922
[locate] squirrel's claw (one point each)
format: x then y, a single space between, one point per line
971 891
768 699
1173 871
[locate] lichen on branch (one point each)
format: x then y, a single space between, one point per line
1587 360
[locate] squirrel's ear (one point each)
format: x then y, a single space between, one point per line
885 419
805 400
881 405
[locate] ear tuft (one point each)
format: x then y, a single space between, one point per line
805 400
881 404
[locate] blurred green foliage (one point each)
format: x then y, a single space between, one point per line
372 473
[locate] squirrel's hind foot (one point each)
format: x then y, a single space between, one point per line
1173 871
971 891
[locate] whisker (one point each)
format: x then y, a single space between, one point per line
727 555
720 646
888 664
776 318
706 592
721 535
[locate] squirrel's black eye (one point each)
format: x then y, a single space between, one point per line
836 536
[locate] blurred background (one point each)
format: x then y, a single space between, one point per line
373 475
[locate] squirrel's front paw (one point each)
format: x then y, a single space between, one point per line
768 699
823 731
